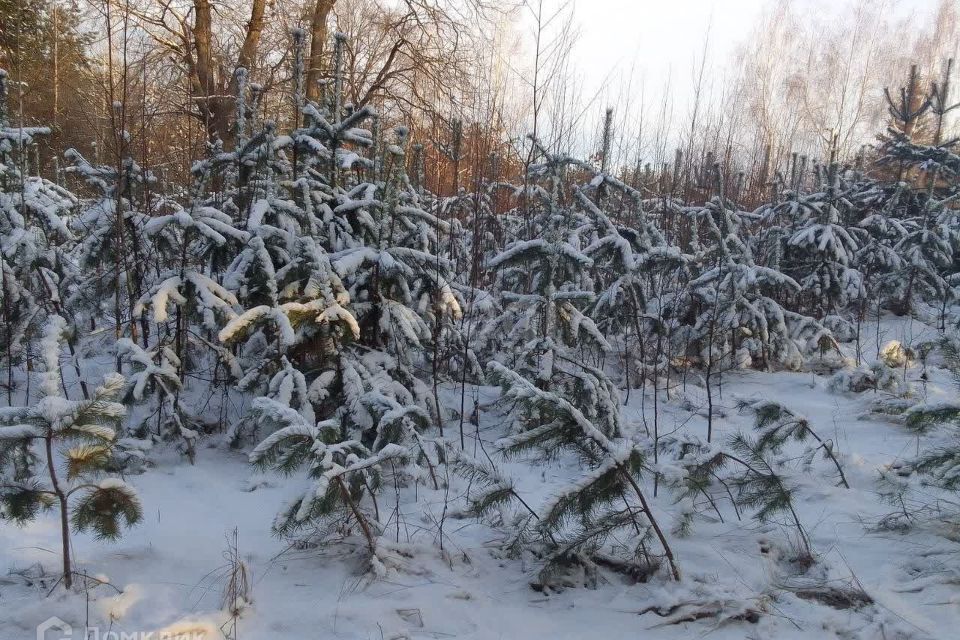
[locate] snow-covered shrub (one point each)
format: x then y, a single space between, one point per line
155 381
345 296
930 240
739 321
544 283
876 376
35 243
894 354
840 328
344 474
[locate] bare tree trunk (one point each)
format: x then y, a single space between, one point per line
8 326
64 513
318 40
674 570
215 95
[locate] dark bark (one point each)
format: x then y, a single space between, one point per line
215 95
318 40
64 513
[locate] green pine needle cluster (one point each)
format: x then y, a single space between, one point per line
607 501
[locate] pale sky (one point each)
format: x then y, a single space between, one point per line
647 43
655 36
658 34
624 45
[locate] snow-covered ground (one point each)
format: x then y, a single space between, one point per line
171 568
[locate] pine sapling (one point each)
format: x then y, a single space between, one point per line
34 475
776 425
583 515
342 473
762 487
155 373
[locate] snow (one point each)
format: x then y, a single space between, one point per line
309 467
52 336
115 484
166 291
19 432
243 323
169 567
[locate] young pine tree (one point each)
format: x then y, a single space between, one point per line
55 454
608 498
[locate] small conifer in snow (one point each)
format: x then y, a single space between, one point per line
55 454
